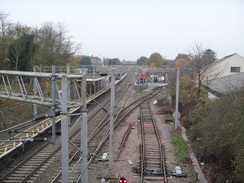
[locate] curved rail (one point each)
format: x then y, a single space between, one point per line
37 166
101 125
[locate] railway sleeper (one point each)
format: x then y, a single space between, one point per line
151 145
148 163
153 167
152 148
153 171
22 172
147 119
17 176
149 154
161 179
152 157
153 151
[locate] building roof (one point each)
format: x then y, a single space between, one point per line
129 62
228 83
222 59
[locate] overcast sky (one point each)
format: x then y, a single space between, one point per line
129 29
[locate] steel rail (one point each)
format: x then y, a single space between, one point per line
162 153
143 145
101 124
106 134
23 162
123 141
41 164
115 125
37 167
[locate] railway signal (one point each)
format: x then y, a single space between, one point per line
122 180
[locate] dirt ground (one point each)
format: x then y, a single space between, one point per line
131 151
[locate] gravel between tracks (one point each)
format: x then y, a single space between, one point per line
131 150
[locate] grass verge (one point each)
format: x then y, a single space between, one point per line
181 151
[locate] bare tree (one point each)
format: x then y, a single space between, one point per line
19 43
5 26
200 63
55 47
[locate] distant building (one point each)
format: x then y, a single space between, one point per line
168 64
96 60
226 75
128 62
229 65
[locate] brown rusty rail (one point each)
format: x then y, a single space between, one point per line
152 156
123 141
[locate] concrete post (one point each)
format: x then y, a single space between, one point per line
112 103
177 96
138 80
84 148
64 132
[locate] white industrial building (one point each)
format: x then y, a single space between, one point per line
226 74
229 65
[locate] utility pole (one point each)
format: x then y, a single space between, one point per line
177 116
35 105
54 82
138 80
68 82
83 148
64 132
112 103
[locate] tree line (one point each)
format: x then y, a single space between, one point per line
155 60
22 47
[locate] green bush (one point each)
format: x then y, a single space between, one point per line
220 125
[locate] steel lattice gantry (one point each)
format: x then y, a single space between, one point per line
30 87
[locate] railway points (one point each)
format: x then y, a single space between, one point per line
100 141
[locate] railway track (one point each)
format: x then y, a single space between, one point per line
120 117
97 144
33 166
101 132
29 167
152 155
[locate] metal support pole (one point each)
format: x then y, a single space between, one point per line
83 146
112 103
177 97
68 72
138 80
94 83
68 85
35 91
53 105
64 132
